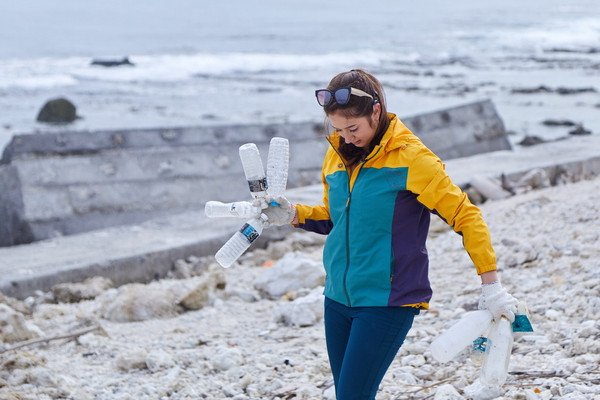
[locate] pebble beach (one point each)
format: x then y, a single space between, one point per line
253 332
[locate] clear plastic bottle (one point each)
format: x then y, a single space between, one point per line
277 166
239 242
497 353
238 209
253 169
460 335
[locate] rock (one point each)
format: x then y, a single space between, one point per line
474 195
86 290
225 358
480 391
539 89
294 271
158 360
564 90
490 188
15 328
112 63
15 304
133 359
519 255
210 282
531 141
57 111
580 130
138 302
19 360
447 392
535 179
304 311
556 122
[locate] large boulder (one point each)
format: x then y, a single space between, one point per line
137 302
295 271
57 111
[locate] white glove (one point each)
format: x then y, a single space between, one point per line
496 300
281 214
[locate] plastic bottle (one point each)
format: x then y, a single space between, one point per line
239 242
497 353
478 350
253 168
277 166
239 209
460 335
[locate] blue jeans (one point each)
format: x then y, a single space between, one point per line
362 343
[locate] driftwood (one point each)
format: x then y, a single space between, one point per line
68 336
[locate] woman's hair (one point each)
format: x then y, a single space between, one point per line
359 106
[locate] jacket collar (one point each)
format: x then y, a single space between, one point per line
395 136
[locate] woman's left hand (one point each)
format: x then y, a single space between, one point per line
497 300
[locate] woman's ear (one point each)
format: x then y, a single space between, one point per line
376 110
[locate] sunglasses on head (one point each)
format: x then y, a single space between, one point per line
341 95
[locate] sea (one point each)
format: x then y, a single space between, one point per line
198 62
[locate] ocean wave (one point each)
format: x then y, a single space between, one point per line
47 72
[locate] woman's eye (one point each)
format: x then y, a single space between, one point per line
353 130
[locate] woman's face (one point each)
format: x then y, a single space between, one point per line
357 131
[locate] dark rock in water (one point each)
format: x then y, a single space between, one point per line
559 90
558 122
112 63
539 89
531 141
580 130
57 111
563 90
589 50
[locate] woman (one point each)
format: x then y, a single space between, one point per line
381 185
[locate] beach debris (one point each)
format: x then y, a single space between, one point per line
264 188
460 335
58 111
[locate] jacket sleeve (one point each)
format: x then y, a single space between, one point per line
429 180
316 218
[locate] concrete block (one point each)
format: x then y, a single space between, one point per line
73 182
13 224
461 131
73 143
45 203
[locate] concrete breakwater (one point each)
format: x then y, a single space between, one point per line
72 182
